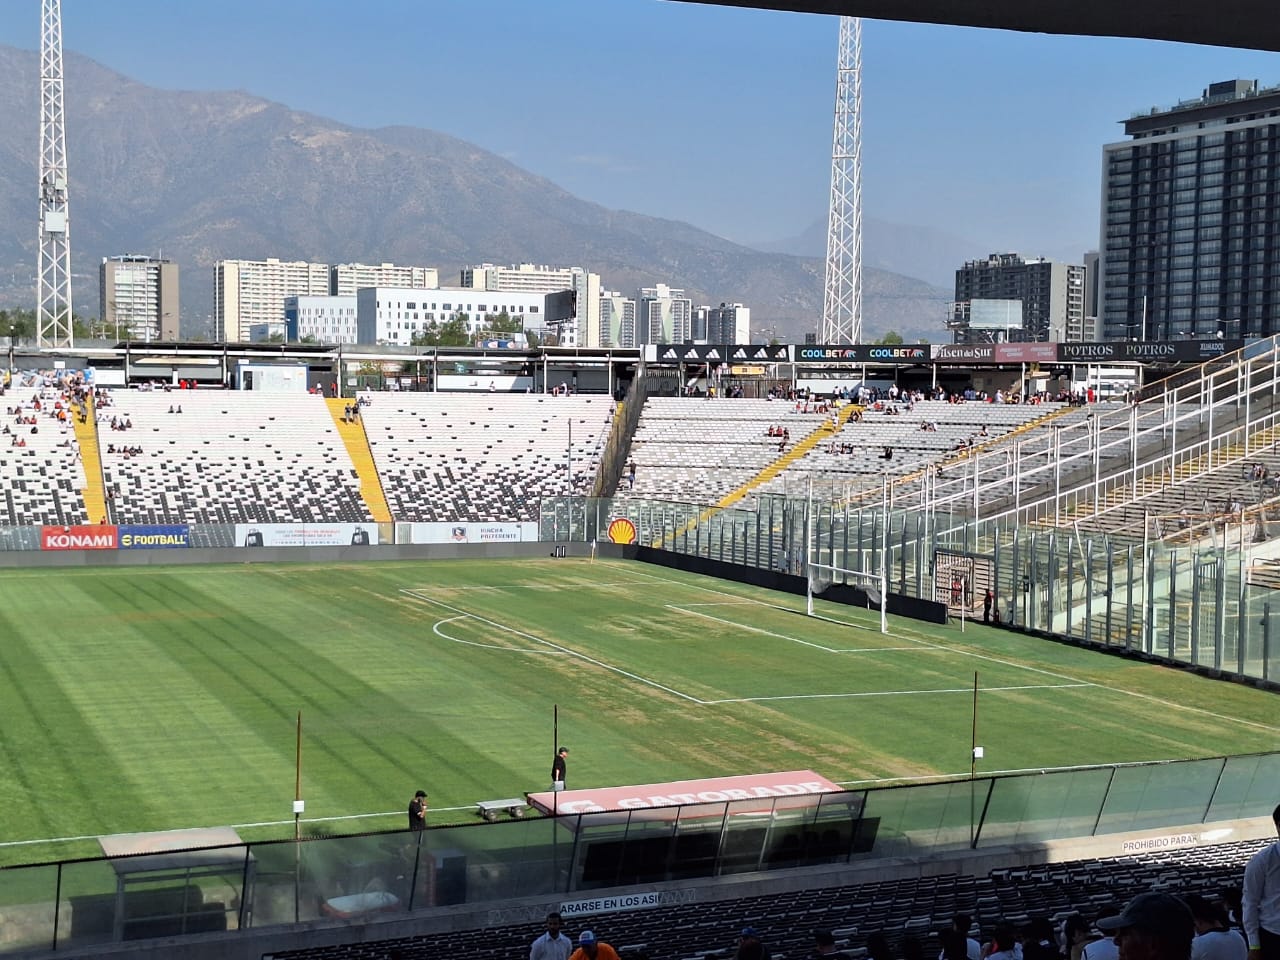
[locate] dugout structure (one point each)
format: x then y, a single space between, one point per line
168 884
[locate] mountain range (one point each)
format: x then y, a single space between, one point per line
200 176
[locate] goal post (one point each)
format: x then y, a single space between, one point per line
821 576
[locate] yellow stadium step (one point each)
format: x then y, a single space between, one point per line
357 444
95 499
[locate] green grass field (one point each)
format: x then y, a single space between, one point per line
148 699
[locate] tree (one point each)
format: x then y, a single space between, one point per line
452 333
890 338
502 323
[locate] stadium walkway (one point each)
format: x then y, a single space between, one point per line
357 444
94 493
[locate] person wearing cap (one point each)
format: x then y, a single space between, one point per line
1154 926
559 767
589 948
1214 939
1261 900
552 945
418 811
751 946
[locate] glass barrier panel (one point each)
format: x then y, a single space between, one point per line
834 827
1247 788
347 877
1165 795
909 821
90 910
1046 807
789 832
746 831
280 892
493 861
697 841
28 897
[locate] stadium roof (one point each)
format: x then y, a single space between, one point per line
1232 23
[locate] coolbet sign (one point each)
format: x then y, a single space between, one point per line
103 537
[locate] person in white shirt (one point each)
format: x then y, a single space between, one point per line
552 945
1214 940
1261 900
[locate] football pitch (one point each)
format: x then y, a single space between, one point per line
139 699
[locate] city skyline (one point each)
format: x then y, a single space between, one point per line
993 136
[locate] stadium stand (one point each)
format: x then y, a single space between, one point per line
916 907
450 456
699 451
226 458
40 458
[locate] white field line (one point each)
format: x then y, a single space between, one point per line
435 628
555 646
558 585
980 656
783 636
900 693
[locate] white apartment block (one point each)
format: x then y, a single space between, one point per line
529 278
324 319
617 320
663 315
346 278
248 292
393 315
139 298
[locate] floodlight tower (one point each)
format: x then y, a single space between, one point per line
842 300
53 295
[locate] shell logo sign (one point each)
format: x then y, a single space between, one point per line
622 531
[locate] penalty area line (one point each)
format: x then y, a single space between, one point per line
780 636
901 693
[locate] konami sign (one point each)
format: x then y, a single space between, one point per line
793 783
101 537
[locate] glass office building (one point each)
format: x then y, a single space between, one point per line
1190 239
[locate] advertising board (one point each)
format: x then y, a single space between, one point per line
171 537
466 532
101 537
306 534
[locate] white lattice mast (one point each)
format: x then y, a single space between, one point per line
842 300
53 279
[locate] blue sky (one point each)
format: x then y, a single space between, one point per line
717 116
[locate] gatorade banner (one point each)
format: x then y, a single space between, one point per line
306 534
177 536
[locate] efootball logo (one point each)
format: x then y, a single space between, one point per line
622 531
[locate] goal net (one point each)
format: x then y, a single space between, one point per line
868 589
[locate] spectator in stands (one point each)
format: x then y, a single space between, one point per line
960 924
878 947
1153 926
912 949
1038 940
751 946
418 811
1260 901
589 948
631 474
955 946
552 945
824 945
1102 948
1003 945
1215 940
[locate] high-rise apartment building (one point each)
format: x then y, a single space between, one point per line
396 314
1190 241
663 315
139 298
1050 296
320 319
581 330
346 278
248 292
617 320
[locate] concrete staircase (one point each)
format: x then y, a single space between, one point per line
357 444
94 492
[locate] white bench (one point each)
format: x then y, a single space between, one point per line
514 806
